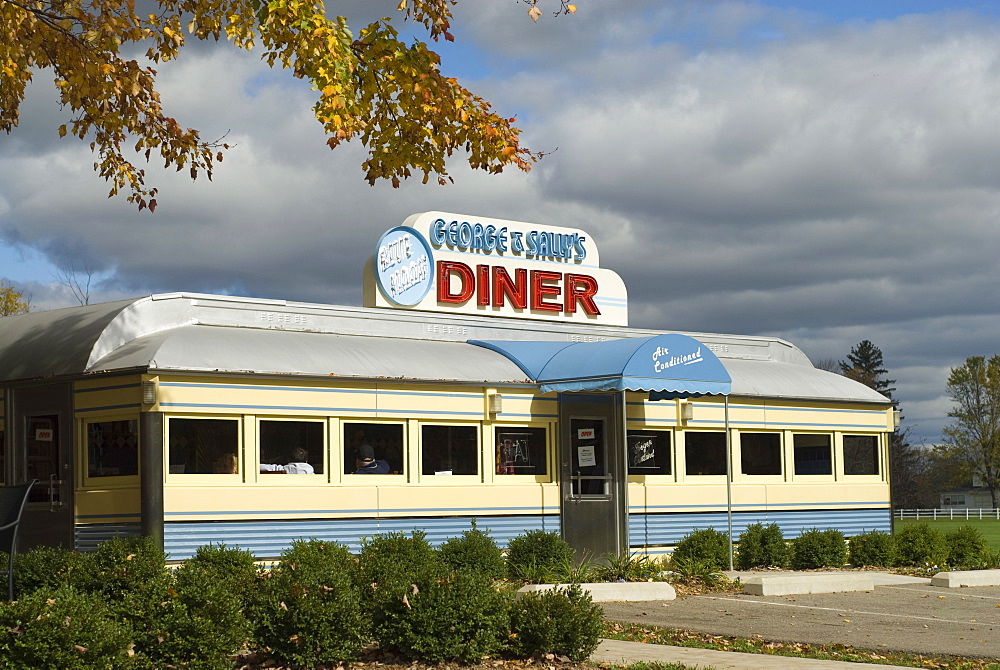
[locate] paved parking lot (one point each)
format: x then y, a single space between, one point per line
916 618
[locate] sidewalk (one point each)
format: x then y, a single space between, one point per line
626 653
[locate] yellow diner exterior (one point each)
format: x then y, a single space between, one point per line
118 410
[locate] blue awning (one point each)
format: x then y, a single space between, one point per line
668 366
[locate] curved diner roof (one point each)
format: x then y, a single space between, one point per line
242 336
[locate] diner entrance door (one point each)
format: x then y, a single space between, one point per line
592 474
43 449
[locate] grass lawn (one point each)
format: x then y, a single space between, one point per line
990 528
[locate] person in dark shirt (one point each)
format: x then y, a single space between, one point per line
366 464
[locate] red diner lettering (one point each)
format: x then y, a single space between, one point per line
467 281
540 289
514 290
483 285
582 289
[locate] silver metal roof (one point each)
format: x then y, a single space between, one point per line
241 351
208 333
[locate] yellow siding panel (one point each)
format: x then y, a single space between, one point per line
107 505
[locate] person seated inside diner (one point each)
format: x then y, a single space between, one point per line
297 466
366 464
227 464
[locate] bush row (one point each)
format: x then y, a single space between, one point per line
121 607
915 545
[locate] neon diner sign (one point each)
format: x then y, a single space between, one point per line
446 262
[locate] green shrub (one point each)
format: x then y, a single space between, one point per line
695 572
536 556
761 546
195 621
62 629
235 568
390 563
818 549
459 618
44 568
707 546
920 545
120 567
967 547
308 610
874 548
564 622
628 567
474 550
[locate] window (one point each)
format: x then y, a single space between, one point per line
860 455
291 447
705 453
954 499
760 453
113 448
521 451
449 450
648 452
203 446
385 440
813 455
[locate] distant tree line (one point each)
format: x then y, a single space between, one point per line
970 448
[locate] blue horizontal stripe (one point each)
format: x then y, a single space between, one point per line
268 539
646 530
285 407
879 504
309 389
107 516
133 405
357 510
107 388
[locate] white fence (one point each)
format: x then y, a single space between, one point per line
947 513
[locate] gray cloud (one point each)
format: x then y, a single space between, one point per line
745 170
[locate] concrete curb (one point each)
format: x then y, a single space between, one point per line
957 578
614 591
813 582
627 653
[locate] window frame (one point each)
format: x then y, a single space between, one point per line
352 478
659 477
825 476
782 465
282 478
206 477
720 475
109 481
497 429
876 455
445 480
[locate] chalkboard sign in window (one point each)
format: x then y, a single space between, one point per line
648 452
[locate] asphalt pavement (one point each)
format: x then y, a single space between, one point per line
902 616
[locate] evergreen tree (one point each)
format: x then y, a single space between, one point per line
864 364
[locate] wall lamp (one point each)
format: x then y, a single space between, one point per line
494 403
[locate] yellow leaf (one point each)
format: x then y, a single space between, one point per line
534 13
571 9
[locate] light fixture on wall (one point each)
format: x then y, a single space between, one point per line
149 392
495 403
896 417
687 411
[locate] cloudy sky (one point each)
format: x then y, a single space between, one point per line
824 172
